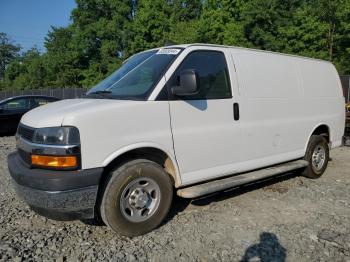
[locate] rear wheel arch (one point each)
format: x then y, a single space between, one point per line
323 130
320 130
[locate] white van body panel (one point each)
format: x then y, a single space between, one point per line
278 114
282 100
119 125
207 129
52 114
281 104
109 127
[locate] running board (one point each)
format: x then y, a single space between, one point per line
237 180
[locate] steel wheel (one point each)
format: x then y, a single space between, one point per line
318 158
137 196
317 154
140 199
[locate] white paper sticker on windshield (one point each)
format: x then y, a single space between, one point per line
168 51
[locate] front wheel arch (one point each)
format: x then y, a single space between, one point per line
148 151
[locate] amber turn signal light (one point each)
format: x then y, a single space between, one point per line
55 161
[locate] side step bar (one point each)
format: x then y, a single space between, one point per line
226 183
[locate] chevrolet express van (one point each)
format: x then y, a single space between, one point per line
191 119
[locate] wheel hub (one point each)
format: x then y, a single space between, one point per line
138 198
318 157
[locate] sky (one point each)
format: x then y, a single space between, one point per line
26 22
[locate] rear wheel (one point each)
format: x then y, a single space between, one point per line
137 198
317 154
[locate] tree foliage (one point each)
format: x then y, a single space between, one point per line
8 52
103 33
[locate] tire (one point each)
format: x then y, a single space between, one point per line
317 154
137 198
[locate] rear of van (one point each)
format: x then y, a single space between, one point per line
284 99
323 90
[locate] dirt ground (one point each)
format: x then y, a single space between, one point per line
286 218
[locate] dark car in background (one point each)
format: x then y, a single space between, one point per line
12 109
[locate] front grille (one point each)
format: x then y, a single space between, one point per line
25 132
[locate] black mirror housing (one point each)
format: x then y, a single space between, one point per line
188 83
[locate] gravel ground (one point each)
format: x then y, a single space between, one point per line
288 217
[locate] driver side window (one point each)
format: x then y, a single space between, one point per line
212 71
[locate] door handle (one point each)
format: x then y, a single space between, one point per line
236 111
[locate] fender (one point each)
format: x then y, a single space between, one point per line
138 145
313 130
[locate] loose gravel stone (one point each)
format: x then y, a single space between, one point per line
289 217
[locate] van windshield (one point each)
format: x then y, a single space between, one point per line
137 77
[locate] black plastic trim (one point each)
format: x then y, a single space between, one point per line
60 205
236 111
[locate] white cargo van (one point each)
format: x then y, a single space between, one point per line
194 119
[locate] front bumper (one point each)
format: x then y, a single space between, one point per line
60 195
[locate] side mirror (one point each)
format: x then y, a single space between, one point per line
188 84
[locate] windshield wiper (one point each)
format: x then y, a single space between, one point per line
100 93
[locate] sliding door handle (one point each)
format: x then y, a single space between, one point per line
236 111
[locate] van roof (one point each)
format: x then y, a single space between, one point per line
247 49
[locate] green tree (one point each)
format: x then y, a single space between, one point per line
13 71
212 23
184 21
342 50
335 15
263 20
150 26
328 11
305 35
185 10
100 36
27 72
8 52
63 58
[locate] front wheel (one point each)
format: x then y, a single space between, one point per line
317 154
137 198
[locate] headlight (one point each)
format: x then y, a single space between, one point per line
64 135
55 156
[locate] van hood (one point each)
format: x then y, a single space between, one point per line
55 114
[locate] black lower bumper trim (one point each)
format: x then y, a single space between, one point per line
60 205
60 195
64 215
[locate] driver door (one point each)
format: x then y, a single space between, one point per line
206 136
